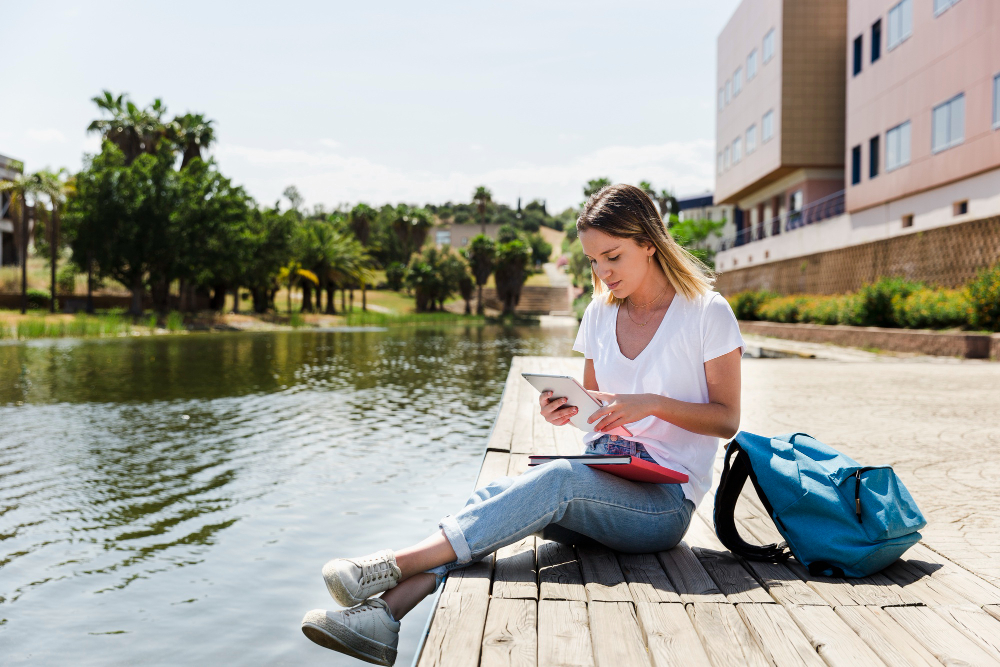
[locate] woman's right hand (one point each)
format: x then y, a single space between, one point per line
553 410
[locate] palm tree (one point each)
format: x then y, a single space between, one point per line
482 198
481 255
21 188
52 185
133 130
192 133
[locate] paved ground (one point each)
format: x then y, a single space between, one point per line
935 420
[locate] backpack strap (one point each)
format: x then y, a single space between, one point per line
734 476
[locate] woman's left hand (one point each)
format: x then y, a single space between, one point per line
621 409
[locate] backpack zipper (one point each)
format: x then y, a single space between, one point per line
857 488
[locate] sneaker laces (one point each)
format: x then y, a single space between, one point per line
375 571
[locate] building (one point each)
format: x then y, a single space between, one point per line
703 207
780 114
9 170
920 87
459 235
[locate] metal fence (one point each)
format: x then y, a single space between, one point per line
821 209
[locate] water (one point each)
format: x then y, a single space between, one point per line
171 500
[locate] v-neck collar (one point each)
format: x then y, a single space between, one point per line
618 347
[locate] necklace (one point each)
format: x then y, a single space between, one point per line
629 304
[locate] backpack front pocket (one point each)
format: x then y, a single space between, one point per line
883 506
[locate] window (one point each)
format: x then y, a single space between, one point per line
795 201
900 22
737 81
768 47
767 126
948 124
725 158
873 156
907 220
752 65
722 99
996 101
737 150
718 167
876 40
729 91
751 139
858 47
941 5
856 165
960 207
897 146
443 238
465 240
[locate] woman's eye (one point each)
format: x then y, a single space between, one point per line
611 259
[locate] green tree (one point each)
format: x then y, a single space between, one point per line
664 199
510 272
595 184
133 130
361 218
191 133
56 187
483 199
481 255
694 234
23 188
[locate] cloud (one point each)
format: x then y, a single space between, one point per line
329 143
331 177
475 147
46 136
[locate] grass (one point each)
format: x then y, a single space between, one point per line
113 323
175 321
360 318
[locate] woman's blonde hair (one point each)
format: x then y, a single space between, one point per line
626 212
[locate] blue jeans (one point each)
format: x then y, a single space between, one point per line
572 503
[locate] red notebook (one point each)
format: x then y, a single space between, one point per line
629 467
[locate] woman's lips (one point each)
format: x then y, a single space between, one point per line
614 285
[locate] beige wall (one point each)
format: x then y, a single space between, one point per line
955 52
803 84
462 234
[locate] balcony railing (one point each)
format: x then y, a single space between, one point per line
821 209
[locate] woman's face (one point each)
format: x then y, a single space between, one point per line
621 264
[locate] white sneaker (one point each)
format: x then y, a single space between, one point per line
351 581
367 632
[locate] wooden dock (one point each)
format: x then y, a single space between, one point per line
543 603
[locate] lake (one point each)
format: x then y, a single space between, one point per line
171 500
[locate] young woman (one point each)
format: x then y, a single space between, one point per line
663 352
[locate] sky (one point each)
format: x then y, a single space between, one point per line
384 102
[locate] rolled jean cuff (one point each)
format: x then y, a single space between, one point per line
455 535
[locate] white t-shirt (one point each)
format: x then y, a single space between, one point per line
673 365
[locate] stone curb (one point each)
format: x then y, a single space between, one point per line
920 341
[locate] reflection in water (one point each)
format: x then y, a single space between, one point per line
172 499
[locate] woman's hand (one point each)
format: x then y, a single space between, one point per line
553 410
621 409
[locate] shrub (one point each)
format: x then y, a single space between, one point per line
782 309
984 299
175 321
38 298
66 279
875 308
931 309
394 275
746 305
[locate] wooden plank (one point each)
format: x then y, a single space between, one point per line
929 590
976 624
569 440
495 464
473 578
527 404
955 577
735 582
993 610
509 638
778 636
670 637
886 637
543 439
456 633
503 426
877 590
564 634
688 575
514 574
700 533
724 636
646 579
602 576
559 576
784 585
832 638
518 465
616 635
939 637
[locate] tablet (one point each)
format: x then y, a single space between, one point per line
564 385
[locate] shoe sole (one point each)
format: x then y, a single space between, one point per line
337 591
343 640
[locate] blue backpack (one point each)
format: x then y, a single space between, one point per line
838 517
